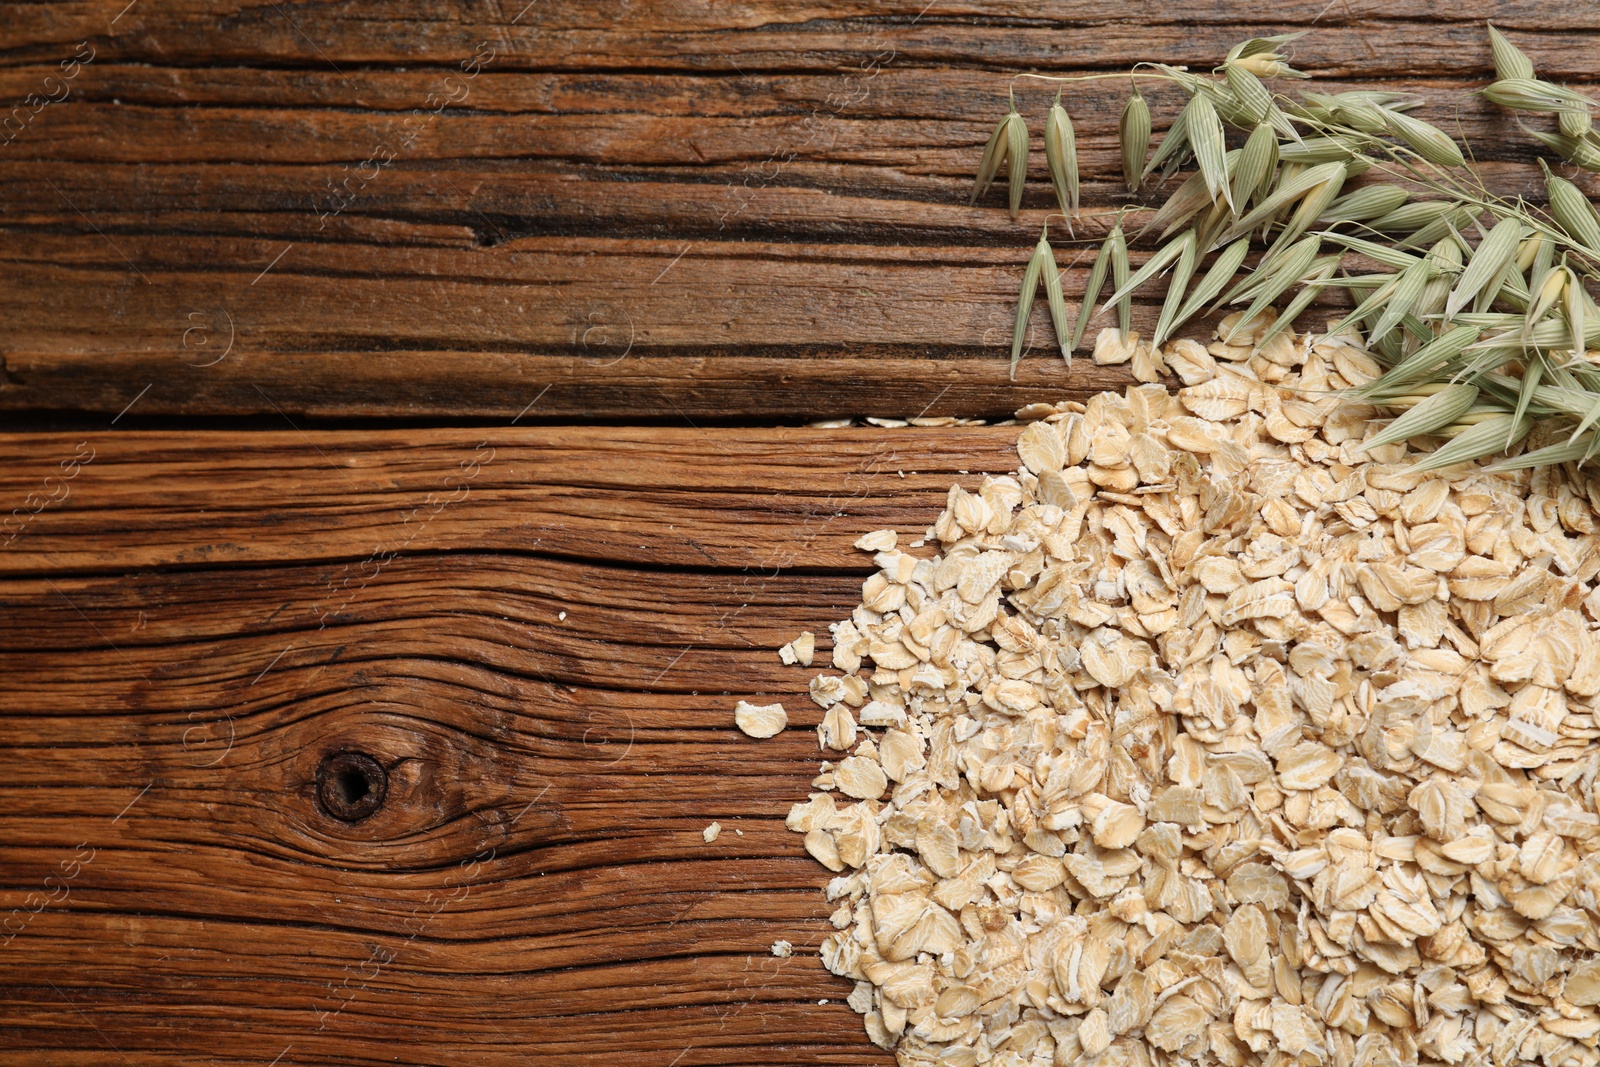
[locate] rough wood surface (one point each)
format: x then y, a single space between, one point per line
539 633
686 213
748 212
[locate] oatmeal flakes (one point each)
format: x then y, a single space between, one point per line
1208 737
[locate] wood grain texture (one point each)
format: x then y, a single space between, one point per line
685 214
711 499
539 633
745 212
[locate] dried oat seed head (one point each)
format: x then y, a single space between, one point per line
1134 133
1061 154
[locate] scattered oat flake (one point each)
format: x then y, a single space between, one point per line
877 541
711 832
760 720
782 949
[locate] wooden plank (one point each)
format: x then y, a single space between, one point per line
781 235
110 502
808 383
694 34
545 668
897 116
897 90
675 389
531 314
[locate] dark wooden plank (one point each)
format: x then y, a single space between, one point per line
809 166
901 116
694 34
534 313
814 383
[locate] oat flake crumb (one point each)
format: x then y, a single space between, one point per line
783 949
711 832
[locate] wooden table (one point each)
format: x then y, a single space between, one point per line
406 474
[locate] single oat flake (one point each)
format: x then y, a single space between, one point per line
760 720
1217 734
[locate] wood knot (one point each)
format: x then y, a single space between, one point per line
351 785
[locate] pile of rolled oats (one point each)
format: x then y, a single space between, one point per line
1208 737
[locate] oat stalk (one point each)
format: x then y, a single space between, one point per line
1480 296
